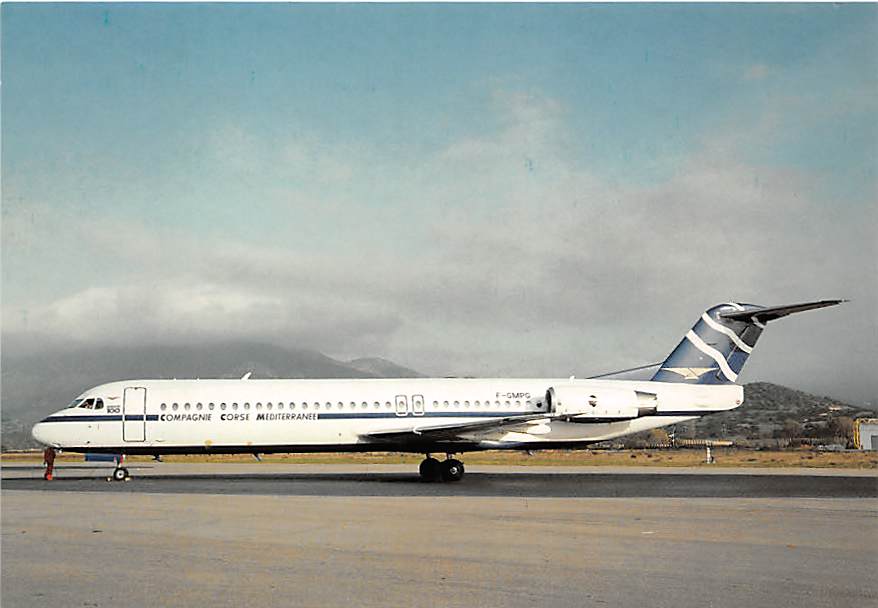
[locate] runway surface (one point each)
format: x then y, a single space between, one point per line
280 535
295 480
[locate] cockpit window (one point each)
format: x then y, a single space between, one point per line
75 402
92 403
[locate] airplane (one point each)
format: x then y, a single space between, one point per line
424 415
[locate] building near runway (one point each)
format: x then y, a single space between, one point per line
866 433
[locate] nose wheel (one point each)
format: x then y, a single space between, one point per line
432 469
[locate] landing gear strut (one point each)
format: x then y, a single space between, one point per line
432 469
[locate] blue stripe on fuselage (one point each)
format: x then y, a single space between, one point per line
100 418
352 416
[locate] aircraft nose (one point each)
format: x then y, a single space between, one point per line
40 432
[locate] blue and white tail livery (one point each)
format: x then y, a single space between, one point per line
421 415
715 350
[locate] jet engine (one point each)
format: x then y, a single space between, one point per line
584 404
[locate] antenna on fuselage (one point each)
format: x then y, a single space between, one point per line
246 376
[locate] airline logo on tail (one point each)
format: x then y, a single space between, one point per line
721 341
689 373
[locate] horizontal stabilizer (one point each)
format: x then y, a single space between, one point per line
763 315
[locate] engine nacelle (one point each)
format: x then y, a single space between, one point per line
582 403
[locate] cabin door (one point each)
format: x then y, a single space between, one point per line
134 414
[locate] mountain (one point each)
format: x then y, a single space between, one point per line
382 368
769 408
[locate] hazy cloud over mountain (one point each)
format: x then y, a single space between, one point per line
533 226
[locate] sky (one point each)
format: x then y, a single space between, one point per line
470 189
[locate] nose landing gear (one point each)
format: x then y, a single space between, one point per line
120 473
432 469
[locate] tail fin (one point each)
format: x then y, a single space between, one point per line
715 349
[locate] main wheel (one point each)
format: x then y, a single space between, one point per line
452 470
430 469
120 474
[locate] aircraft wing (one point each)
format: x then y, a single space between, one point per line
447 432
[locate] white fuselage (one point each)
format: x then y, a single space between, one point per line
186 416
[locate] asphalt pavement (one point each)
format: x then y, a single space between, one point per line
279 535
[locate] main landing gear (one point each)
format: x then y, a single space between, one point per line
449 469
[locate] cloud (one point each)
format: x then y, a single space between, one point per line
519 261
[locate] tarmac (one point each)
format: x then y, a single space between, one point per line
374 535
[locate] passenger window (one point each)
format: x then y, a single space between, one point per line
267 405
174 407
186 407
164 406
198 406
234 406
